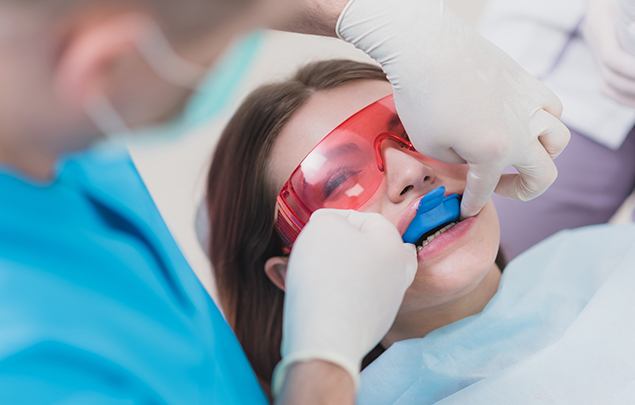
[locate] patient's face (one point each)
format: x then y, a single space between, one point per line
452 264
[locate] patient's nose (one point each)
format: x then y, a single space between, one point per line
406 175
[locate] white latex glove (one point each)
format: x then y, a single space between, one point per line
347 276
461 98
605 22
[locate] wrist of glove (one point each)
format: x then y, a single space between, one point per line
346 279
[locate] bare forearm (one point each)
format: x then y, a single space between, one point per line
317 383
317 17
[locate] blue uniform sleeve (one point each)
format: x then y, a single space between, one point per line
54 372
68 340
51 351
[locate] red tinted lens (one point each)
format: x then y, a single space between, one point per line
344 170
340 174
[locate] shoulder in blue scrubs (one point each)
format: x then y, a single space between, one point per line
98 305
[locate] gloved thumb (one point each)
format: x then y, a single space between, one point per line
372 224
481 183
365 222
411 263
331 213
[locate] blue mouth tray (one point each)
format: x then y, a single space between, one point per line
435 209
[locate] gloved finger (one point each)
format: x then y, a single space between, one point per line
624 99
551 132
330 213
367 222
373 224
551 102
619 82
481 183
411 263
535 175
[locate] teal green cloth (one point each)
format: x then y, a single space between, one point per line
213 94
222 83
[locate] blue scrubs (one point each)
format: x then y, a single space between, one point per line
97 303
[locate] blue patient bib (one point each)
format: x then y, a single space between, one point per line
97 303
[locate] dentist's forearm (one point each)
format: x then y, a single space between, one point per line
316 17
317 383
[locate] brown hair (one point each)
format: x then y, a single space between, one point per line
241 204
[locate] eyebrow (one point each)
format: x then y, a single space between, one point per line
343 149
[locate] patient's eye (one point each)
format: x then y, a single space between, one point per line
340 177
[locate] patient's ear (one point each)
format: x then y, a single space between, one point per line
276 270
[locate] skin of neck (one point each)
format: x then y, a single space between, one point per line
417 324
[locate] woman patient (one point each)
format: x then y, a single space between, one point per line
254 226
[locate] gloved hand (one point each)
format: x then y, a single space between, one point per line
461 99
346 279
604 22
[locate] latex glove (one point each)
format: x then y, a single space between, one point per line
604 23
347 276
461 98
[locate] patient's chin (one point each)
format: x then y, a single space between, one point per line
445 278
443 284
